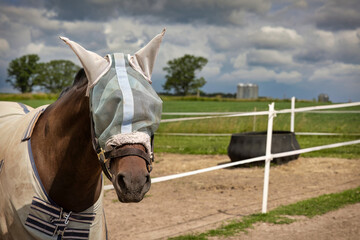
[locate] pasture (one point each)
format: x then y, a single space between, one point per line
347 123
203 202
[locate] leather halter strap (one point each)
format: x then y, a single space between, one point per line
125 152
117 152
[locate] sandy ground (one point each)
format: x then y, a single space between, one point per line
340 224
205 201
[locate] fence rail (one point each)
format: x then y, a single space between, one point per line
268 156
245 114
229 134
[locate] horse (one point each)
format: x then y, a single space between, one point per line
53 158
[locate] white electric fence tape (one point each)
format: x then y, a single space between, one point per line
229 134
256 159
218 115
261 158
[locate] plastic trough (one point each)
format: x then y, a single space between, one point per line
253 144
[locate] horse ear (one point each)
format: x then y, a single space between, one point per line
94 65
144 59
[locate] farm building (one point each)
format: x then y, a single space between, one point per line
247 91
323 98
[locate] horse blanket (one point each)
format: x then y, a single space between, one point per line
26 211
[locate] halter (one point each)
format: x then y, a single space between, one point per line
105 157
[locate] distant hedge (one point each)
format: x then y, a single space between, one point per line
28 96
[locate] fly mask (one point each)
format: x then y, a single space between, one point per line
124 107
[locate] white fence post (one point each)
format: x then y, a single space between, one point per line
292 123
268 156
254 121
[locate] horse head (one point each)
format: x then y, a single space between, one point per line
125 111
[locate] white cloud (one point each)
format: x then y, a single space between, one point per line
4 46
347 48
34 48
276 38
40 18
301 4
239 61
325 39
260 74
237 17
225 39
269 58
337 72
288 77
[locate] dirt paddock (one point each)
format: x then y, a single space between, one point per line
201 202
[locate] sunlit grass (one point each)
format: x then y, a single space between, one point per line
219 144
304 122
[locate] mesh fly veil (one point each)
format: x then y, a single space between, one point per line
124 106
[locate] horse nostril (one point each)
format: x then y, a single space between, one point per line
121 181
148 178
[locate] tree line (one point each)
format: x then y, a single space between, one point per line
26 73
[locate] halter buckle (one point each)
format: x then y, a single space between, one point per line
103 160
101 155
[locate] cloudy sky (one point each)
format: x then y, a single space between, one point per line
289 48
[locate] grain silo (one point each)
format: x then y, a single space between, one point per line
240 91
323 97
247 91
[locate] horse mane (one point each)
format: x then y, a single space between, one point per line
79 80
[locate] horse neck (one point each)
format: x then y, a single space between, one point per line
63 152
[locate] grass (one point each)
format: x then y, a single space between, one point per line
304 122
308 208
218 145
349 152
33 100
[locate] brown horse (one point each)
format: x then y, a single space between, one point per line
68 154
67 164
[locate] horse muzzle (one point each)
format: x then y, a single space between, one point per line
130 187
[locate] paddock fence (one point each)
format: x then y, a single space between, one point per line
271 113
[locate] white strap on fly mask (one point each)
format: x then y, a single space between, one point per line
128 107
124 106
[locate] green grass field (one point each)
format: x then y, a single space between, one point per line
219 145
304 122
33 100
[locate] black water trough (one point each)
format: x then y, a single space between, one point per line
253 144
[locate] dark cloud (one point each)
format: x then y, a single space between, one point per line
184 11
268 58
28 3
311 56
322 46
279 43
339 15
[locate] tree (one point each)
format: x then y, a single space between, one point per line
181 74
56 74
23 71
